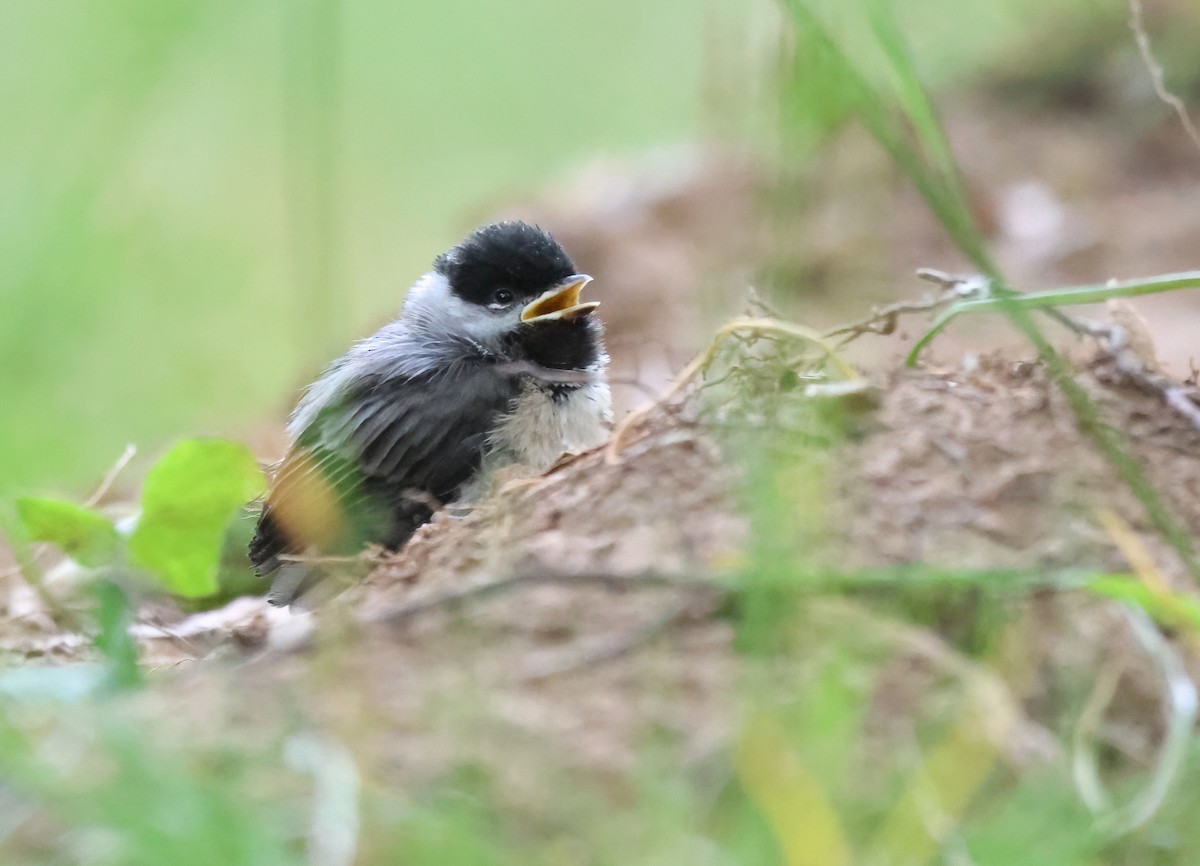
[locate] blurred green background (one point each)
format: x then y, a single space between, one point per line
201 201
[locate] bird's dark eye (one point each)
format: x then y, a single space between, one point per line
503 297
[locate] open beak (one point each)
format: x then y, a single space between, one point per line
561 302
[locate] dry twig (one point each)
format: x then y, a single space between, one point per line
111 476
1114 340
609 648
486 589
1157 76
883 320
1116 350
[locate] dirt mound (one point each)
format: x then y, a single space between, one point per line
570 618
989 468
577 614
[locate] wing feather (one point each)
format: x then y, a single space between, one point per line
369 462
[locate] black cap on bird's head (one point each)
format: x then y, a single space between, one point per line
510 264
514 255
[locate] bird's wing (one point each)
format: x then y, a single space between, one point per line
378 458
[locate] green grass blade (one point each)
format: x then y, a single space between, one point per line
1093 294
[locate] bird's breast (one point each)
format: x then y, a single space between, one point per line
547 420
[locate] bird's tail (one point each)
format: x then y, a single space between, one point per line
305 585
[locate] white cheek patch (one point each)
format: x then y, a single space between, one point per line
431 304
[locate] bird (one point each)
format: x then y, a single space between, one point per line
494 361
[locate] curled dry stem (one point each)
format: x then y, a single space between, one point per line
699 364
1137 25
884 320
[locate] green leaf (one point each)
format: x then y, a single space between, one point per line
189 498
86 536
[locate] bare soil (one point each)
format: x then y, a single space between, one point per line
570 618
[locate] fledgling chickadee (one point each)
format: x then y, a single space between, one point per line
494 361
